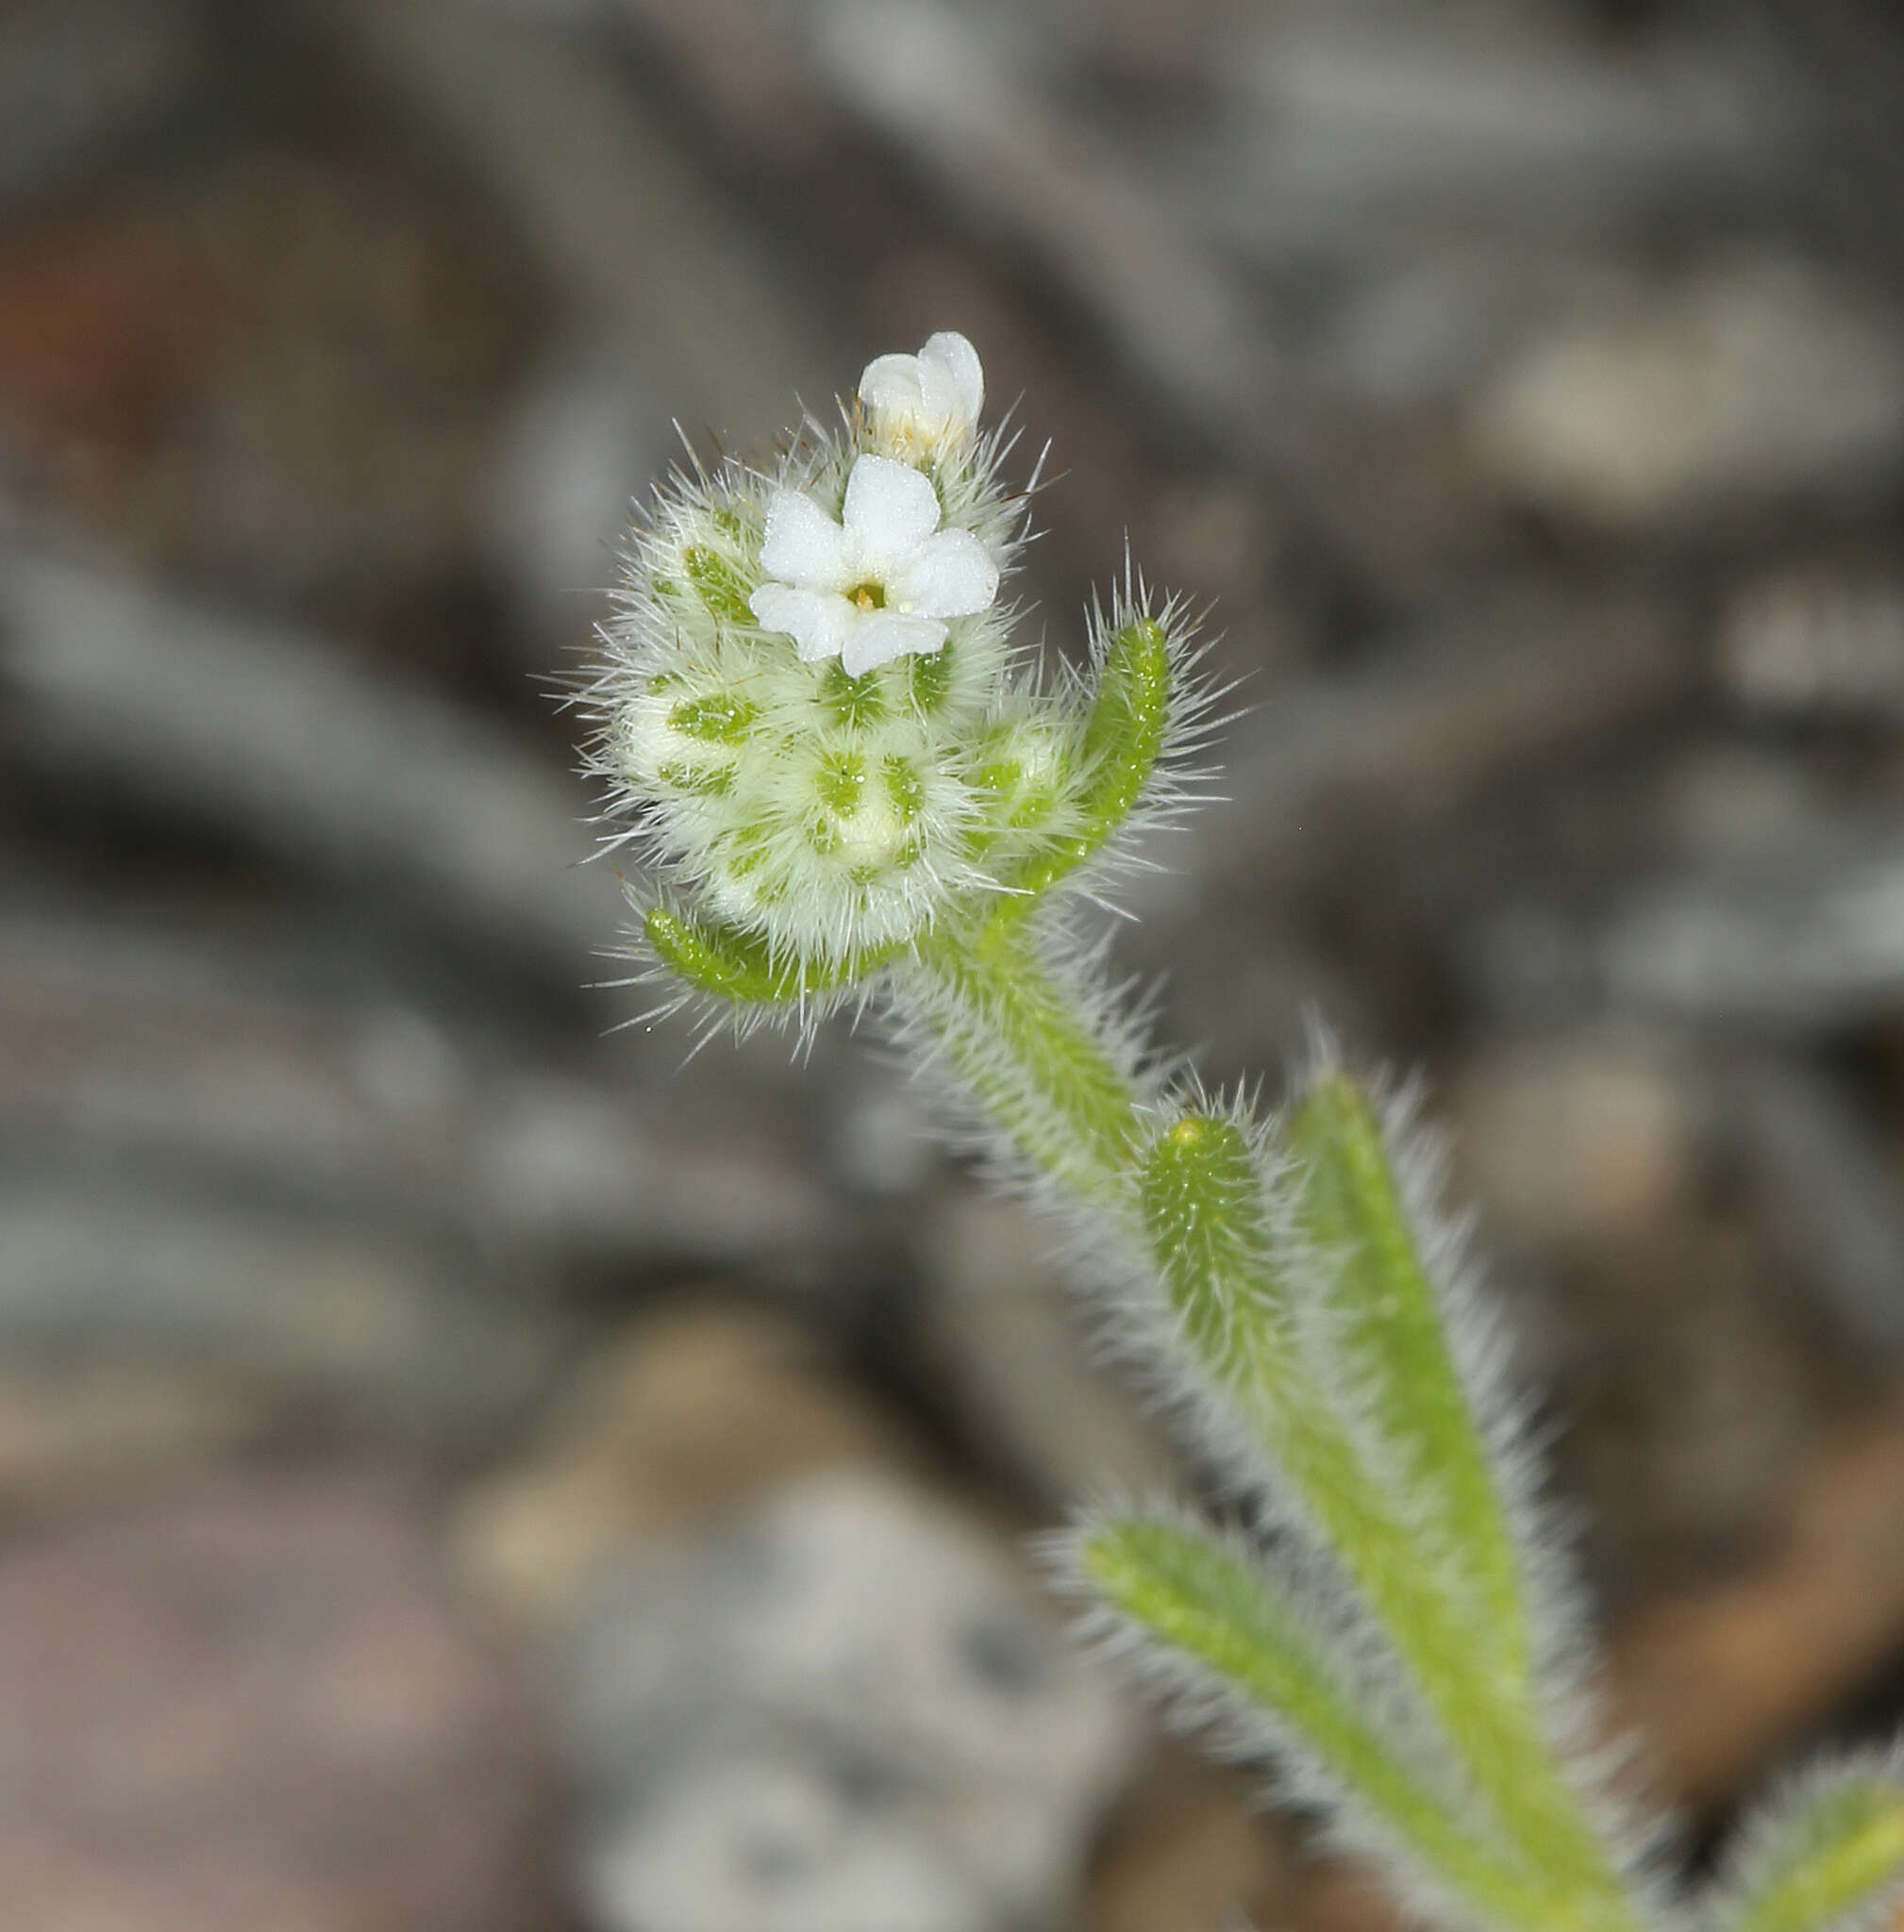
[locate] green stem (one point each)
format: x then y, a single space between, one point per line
1056 1086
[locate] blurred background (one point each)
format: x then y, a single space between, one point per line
458 1467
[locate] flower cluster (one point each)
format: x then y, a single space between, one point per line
811 715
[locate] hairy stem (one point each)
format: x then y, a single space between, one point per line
1064 1093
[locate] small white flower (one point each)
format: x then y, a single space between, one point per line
927 399
879 583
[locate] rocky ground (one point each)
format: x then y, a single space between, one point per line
458 1467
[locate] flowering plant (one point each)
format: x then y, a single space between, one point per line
852 788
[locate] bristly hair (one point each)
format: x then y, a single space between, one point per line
1807 1815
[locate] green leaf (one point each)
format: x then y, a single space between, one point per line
1834 1847
735 965
1352 1209
1208 1602
1207 1219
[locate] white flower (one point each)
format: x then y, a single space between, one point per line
879 583
926 400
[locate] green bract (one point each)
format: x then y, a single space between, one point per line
882 804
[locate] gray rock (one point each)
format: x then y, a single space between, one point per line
102 1264
1821 1166
79 74
996 1336
1812 937
584 441
225 1059
256 1702
292 747
1380 125
1587 1137
1751 384
654 264
1809 643
844 1710
761 1842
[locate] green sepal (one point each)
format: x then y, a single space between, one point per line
715 717
1394 1335
1203 1211
731 964
721 586
1123 735
1841 1848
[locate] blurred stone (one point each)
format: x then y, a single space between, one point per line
100 327
1342 1896
286 744
885 1146
1362 127
1731 804
78 1428
365 1327
845 1710
1189 1851
147 1037
576 458
999 1340
1721 1679
1579 1138
256 1705
684 1414
1691 1385
637 244
1807 937
1811 642
1754 384
295 389
772 1841
79 74
1820 1162
1219 533
1472 695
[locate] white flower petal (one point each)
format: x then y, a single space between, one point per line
951 380
951 574
923 401
890 385
819 622
804 545
886 633
890 510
